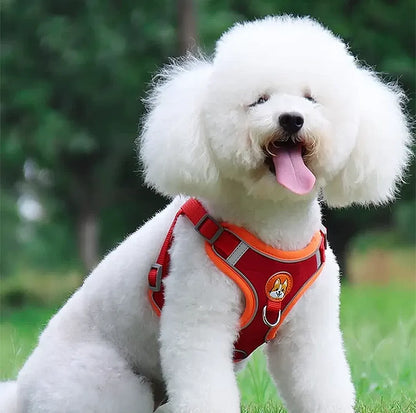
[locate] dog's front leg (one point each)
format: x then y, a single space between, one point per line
198 327
307 358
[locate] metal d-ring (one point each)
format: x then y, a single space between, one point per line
267 322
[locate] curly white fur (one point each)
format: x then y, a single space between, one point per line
106 351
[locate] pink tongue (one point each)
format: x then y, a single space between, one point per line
291 171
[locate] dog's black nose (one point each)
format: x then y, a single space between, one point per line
291 122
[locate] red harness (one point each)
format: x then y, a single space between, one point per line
271 280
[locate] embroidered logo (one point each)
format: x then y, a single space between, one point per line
278 286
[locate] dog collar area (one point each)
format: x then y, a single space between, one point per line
271 280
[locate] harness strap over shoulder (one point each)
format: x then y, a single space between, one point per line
203 223
271 280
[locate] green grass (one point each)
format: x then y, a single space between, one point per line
379 325
19 331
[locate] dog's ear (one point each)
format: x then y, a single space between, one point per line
173 147
382 149
276 285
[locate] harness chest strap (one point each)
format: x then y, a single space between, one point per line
271 280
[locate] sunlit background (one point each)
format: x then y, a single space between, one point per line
73 74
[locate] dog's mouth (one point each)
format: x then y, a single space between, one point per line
286 160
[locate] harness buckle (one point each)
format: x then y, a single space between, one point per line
158 279
219 231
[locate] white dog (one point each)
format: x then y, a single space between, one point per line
281 118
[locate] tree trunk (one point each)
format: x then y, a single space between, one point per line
84 203
88 232
187 31
350 6
341 230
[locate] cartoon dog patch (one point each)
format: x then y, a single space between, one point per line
278 286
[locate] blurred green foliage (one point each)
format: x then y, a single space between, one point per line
73 73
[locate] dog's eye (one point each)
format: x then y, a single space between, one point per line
260 100
310 98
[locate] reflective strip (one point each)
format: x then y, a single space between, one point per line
318 259
238 252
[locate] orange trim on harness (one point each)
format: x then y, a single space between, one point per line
271 280
267 249
249 295
250 299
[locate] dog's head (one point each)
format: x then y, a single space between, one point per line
282 111
279 289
